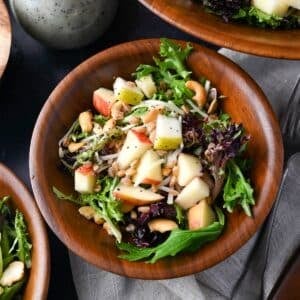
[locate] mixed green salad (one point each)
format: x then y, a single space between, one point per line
260 13
156 161
15 252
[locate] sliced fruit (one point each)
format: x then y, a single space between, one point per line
85 120
149 169
103 99
147 85
168 133
200 215
195 191
162 225
273 7
189 166
127 92
125 207
135 145
135 195
85 179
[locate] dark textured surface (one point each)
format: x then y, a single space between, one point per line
33 71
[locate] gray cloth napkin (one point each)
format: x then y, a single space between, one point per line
276 78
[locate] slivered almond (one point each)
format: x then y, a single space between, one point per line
73 147
162 225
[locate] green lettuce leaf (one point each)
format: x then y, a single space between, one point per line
178 241
169 72
237 189
24 247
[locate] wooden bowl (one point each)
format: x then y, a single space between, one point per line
37 285
246 103
191 17
5 37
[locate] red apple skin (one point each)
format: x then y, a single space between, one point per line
142 137
101 104
133 201
86 169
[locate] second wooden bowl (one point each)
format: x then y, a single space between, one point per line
191 17
5 37
245 103
37 285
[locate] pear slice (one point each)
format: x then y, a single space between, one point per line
168 133
147 85
127 92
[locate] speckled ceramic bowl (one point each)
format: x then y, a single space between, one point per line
65 24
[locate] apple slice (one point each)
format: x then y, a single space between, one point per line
149 169
135 195
168 133
103 99
200 215
135 145
147 85
162 225
195 191
85 179
189 166
127 92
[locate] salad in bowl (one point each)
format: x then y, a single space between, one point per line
15 251
260 13
156 162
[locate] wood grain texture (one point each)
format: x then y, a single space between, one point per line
5 37
191 17
246 103
288 286
37 284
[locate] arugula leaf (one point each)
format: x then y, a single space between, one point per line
101 120
170 72
62 196
175 57
179 240
237 189
10 292
257 17
103 202
97 144
180 217
144 70
24 247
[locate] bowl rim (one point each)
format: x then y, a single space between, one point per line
42 271
5 42
226 38
71 242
